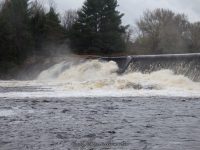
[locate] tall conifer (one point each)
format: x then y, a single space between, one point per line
98 28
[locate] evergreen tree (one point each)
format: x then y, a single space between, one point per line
37 25
26 29
53 27
54 33
15 30
46 29
98 28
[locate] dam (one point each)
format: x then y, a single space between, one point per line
127 73
185 64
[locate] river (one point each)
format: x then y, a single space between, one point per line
90 106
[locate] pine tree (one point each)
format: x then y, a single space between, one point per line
54 29
16 34
98 28
37 25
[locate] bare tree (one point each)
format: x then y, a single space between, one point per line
52 4
195 36
163 31
69 18
36 7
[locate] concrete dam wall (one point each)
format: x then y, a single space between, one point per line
184 64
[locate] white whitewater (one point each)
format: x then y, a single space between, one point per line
95 79
102 75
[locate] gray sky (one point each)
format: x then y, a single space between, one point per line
133 9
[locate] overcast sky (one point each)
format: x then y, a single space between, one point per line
133 9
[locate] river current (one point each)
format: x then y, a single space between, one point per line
89 106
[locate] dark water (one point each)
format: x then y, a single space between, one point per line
134 123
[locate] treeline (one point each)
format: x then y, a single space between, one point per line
27 28
162 32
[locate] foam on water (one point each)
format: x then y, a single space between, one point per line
96 79
102 75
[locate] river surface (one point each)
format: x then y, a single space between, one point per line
70 123
89 106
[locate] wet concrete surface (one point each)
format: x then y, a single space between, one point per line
132 123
